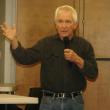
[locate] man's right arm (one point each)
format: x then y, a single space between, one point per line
21 55
14 43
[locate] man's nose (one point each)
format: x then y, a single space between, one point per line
64 24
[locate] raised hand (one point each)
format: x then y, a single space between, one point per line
8 32
72 56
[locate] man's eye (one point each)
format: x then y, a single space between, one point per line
60 21
68 21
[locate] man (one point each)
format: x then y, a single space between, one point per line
66 62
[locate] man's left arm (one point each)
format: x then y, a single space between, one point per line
90 68
87 65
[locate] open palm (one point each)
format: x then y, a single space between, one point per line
8 32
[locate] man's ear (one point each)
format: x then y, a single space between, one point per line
76 25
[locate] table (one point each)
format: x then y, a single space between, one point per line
17 99
7 88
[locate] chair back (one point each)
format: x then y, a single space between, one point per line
34 92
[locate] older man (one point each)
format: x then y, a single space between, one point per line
66 60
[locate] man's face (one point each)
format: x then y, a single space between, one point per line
65 24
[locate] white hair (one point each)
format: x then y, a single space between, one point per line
67 8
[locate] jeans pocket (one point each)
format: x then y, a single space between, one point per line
79 99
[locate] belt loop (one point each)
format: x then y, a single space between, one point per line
63 95
43 93
72 95
53 95
57 95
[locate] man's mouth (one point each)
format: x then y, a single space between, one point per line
64 31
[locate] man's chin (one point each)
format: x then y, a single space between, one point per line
64 35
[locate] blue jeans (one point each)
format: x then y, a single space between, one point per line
53 103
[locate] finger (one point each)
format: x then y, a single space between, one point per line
66 55
5 25
2 29
4 34
1 26
66 50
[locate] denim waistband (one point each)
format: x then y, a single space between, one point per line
61 94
